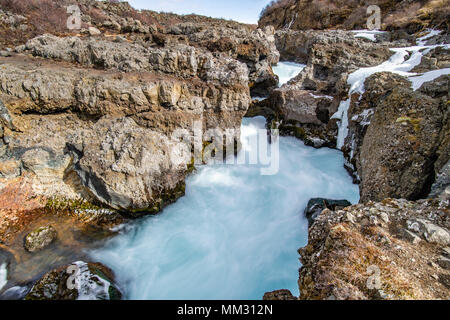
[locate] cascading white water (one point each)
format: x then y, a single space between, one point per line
287 70
235 234
3 275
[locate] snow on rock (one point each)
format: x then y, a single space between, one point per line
321 96
402 62
342 115
431 33
367 34
287 70
418 81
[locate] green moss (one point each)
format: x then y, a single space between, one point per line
298 132
191 166
164 199
60 204
114 293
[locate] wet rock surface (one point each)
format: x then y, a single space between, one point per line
40 238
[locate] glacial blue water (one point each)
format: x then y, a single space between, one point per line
287 70
235 234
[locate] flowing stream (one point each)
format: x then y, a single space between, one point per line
235 234
3 275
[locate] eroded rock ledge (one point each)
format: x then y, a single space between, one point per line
91 120
394 249
113 129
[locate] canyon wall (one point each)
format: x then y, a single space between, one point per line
351 15
87 115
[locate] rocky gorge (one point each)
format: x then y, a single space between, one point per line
86 120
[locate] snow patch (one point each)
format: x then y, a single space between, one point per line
259 98
418 81
401 63
287 70
342 115
321 97
367 34
364 116
431 33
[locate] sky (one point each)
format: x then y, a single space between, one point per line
246 11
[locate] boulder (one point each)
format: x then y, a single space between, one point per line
401 150
129 167
317 205
40 238
78 281
279 295
94 31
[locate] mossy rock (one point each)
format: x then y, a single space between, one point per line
59 204
164 199
40 238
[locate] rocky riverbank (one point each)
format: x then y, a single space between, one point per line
387 110
86 118
392 250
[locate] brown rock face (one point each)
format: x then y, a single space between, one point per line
281 295
345 14
304 106
252 46
398 151
97 112
400 146
255 48
93 117
87 116
382 251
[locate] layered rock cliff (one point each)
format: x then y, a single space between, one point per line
351 15
87 116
